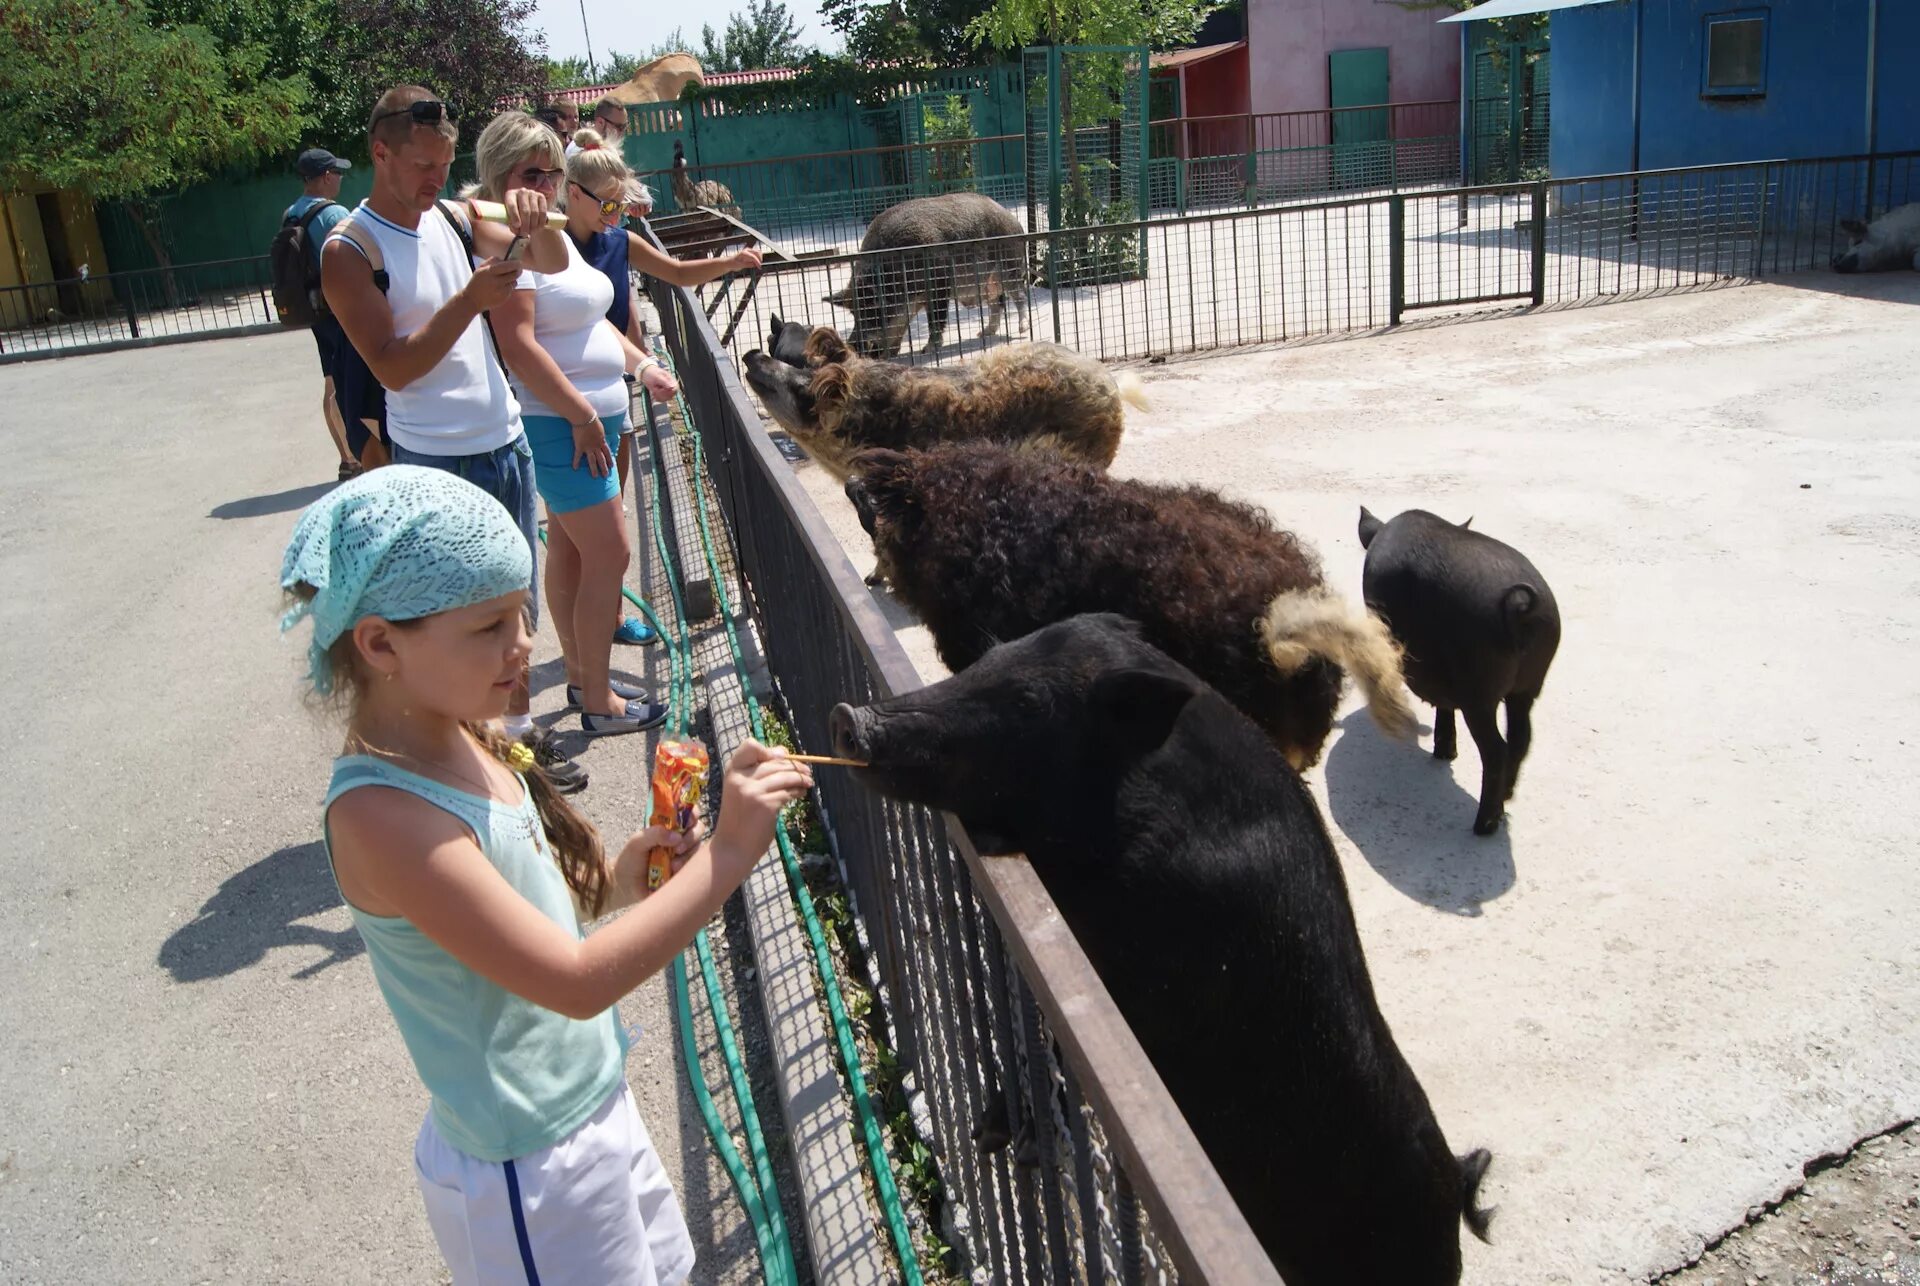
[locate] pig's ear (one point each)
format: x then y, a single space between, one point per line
829 389
775 325
824 345
886 480
1370 526
1137 708
1468 524
1854 229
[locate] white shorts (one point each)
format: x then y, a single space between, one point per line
595 1209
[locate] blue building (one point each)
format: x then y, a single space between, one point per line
1658 84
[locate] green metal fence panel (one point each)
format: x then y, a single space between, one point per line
1510 111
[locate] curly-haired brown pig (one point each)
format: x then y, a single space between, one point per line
986 544
1019 394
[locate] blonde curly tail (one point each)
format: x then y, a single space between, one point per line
1302 624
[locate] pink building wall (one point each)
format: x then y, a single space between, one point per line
1288 42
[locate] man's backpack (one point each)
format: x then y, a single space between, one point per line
296 282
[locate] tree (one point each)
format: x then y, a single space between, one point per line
762 35
569 73
297 38
94 96
473 53
1160 24
932 32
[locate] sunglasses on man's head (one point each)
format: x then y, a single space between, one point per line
428 111
607 208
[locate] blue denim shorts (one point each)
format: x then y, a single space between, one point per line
563 485
507 476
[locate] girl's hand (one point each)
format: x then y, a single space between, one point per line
760 781
659 380
746 259
629 873
590 444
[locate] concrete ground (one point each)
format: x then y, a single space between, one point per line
198 1080
1687 965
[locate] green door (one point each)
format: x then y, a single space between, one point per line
1362 148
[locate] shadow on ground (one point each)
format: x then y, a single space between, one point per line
257 910
280 502
1412 821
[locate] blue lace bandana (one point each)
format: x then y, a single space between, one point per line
399 542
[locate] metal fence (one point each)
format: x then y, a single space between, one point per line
232 296
1273 275
995 1011
824 201
1213 162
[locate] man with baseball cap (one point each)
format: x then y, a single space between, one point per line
320 172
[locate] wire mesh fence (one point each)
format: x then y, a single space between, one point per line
227 297
1060 1156
1168 286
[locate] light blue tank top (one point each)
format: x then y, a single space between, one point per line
507 1076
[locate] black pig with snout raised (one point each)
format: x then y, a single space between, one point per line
1197 875
1477 625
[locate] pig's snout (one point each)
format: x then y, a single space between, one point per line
848 728
1847 263
862 504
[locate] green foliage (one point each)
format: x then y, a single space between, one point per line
764 34
1525 28
926 33
96 95
952 123
473 53
1160 24
569 73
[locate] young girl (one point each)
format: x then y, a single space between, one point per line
468 877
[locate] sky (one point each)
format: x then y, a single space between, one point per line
633 26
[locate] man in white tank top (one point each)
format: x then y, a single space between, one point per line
420 325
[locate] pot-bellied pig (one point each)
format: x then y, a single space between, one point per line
945 263
1022 394
1477 626
1890 243
1198 877
986 544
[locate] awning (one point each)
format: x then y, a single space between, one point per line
1188 57
1514 8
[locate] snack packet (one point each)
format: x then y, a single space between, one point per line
679 775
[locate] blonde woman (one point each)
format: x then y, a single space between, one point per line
600 193
568 364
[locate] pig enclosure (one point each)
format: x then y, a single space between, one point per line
1681 971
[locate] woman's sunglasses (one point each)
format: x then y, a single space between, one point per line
535 177
428 111
607 208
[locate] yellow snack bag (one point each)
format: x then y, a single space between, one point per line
679 775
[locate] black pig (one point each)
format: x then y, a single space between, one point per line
1198 877
1477 625
787 342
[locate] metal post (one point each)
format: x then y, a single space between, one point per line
1515 67
133 317
1539 244
1396 258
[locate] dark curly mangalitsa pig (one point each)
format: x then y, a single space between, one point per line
937 254
1196 873
1477 626
836 403
986 544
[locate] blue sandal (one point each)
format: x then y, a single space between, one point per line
635 631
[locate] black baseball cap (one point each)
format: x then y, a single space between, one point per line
316 161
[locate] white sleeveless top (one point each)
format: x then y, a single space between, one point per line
570 323
462 406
